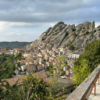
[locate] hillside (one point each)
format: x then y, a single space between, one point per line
69 35
14 44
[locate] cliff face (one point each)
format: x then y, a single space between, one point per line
66 35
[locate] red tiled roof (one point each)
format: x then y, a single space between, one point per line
30 65
12 81
39 66
20 78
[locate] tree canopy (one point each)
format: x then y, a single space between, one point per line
60 64
32 88
87 62
6 66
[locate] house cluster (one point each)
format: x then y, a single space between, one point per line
8 50
41 56
4 49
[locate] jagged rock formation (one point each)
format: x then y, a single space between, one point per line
66 35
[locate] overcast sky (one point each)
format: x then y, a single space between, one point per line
26 20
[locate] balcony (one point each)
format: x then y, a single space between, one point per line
89 89
97 96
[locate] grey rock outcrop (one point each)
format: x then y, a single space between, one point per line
63 34
32 44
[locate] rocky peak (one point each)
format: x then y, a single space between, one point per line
98 28
89 26
59 23
66 35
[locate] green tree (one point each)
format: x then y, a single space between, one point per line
34 88
60 64
81 72
92 59
10 92
7 66
18 64
18 56
72 47
50 68
58 68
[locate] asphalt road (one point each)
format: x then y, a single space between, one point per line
16 68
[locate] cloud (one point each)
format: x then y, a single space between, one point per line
35 16
97 24
10 33
18 33
39 11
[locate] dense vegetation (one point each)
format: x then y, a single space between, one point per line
58 66
32 88
18 56
87 62
6 66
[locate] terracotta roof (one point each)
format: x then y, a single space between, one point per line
13 80
31 69
39 66
20 78
31 65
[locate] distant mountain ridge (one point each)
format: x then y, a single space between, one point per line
15 44
69 35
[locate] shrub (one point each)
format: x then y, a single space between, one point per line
87 32
87 62
94 30
73 29
79 30
72 47
62 73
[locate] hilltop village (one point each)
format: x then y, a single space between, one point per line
38 58
51 57
53 54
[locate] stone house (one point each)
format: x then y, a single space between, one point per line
75 55
31 69
26 54
40 67
23 67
